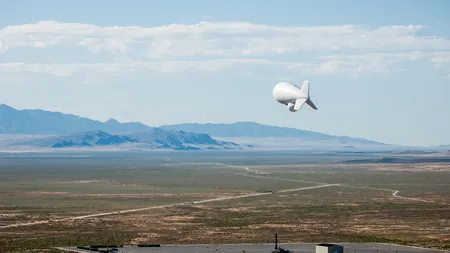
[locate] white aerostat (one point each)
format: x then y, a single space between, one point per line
293 96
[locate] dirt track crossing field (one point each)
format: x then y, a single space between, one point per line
320 185
164 206
52 205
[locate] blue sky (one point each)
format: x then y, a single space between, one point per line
378 69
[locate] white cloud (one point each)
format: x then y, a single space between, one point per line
132 66
352 65
230 39
392 57
441 59
172 48
383 62
51 69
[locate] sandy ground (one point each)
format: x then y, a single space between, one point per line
250 173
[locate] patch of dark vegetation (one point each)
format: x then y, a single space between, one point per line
401 160
62 238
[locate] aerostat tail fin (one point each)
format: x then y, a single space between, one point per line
310 103
305 88
299 103
305 91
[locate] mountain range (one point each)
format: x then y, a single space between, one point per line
255 130
13 121
68 130
59 130
153 139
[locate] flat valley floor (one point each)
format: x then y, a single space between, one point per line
68 199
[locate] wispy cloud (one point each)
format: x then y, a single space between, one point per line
382 62
212 46
230 39
132 66
353 65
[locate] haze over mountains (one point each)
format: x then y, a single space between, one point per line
69 130
255 130
13 121
152 139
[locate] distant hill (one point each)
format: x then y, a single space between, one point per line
152 139
84 139
255 130
13 121
174 137
180 140
68 130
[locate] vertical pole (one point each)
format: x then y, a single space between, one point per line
276 241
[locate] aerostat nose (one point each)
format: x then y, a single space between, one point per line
277 91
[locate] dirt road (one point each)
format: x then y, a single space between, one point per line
250 173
